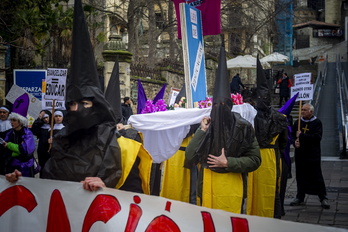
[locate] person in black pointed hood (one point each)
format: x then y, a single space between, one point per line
268 121
113 96
87 145
270 125
113 93
225 146
133 178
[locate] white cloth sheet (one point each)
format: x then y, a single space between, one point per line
164 131
247 111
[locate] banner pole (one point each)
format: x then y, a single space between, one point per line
299 116
52 123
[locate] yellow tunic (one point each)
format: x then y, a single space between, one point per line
262 185
130 150
176 178
225 192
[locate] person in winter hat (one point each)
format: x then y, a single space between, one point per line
19 141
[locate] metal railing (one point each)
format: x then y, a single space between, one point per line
140 70
320 81
342 90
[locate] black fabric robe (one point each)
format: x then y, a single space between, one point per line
85 153
133 181
309 176
42 135
284 90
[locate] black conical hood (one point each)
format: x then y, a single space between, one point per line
83 81
262 85
221 89
113 93
83 73
181 94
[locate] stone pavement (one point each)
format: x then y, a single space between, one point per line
335 172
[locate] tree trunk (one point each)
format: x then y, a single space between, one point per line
152 40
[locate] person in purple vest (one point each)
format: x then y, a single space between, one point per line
19 142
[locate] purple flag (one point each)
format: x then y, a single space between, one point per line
141 97
160 94
211 15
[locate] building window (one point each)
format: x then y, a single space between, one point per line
302 41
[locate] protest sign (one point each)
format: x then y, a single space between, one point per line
55 84
51 205
54 89
305 92
302 79
35 104
30 80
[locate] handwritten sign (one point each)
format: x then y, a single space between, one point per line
303 86
54 89
55 84
302 79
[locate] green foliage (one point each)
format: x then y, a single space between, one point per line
101 37
29 25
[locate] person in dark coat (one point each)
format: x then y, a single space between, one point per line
284 151
86 148
40 129
126 109
307 139
284 88
221 158
270 127
58 125
235 84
